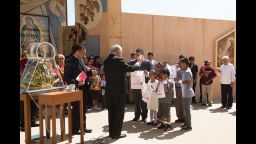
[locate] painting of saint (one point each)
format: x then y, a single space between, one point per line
33 28
226 46
29 33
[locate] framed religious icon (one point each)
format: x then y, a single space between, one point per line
72 35
226 46
33 28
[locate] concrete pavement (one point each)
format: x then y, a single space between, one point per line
211 125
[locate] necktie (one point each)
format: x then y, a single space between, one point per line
82 65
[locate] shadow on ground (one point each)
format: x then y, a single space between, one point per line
132 127
162 135
100 140
233 113
49 141
218 110
198 106
149 132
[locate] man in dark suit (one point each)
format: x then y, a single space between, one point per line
140 105
116 89
73 67
194 70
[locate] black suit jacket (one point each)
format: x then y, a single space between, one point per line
72 68
116 79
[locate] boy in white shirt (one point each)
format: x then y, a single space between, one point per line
152 103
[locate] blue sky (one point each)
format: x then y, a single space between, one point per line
209 9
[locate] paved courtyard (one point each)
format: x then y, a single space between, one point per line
211 125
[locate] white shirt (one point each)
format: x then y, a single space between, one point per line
227 74
103 83
154 63
173 71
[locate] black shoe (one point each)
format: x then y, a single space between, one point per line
117 137
34 125
222 106
228 107
154 124
162 126
135 119
143 120
194 102
149 123
76 132
209 105
168 127
22 129
88 131
183 125
187 128
203 104
179 120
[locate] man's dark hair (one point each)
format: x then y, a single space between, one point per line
139 50
91 56
96 57
184 60
165 71
160 63
165 63
76 47
181 56
152 71
132 54
150 53
191 58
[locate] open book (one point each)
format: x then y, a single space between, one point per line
81 77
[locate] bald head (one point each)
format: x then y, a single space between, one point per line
225 60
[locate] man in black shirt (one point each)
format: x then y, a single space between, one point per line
194 70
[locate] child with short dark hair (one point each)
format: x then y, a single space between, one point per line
103 88
165 103
152 103
95 88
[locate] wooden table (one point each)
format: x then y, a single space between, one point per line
53 99
27 116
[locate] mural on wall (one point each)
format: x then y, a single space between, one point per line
88 12
33 28
226 46
29 1
54 9
73 35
